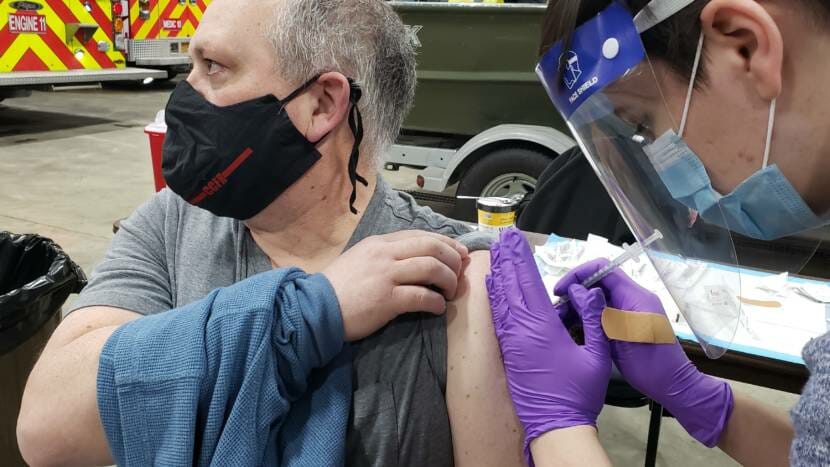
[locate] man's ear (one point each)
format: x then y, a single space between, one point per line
744 35
331 105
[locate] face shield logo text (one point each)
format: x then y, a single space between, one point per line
582 89
569 63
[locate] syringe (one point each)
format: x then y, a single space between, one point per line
631 252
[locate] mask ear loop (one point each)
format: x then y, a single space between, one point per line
691 89
685 116
770 126
299 90
693 214
356 125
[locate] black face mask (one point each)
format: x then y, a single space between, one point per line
236 160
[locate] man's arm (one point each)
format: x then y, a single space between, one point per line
59 421
485 429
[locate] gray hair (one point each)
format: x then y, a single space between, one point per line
363 39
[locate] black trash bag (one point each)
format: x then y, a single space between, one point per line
36 277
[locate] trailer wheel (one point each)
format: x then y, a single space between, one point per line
503 172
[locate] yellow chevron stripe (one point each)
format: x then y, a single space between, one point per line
175 14
100 35
133 12
145 28
25 42
13 54
177 10
77 9
197 12
187 30
45 53
117 57
35 43
60 30
4 14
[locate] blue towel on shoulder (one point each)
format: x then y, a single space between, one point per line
253 374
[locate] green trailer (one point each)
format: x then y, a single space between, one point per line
481 118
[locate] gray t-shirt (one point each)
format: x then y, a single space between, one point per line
169 254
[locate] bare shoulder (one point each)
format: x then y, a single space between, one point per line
485 429
85 320
472 277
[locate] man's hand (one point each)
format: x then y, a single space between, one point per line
385 276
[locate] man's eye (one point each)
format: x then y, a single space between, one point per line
213 67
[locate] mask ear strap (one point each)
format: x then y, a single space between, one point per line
356 125
691 89
299 90
770 126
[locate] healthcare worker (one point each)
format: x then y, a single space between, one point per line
705 120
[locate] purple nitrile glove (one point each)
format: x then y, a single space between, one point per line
701 403
554 383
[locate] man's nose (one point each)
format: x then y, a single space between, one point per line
199 84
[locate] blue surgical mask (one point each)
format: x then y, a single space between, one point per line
765 206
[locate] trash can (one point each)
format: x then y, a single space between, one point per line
36 277
156 131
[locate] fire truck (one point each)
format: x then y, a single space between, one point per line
156 33
53 43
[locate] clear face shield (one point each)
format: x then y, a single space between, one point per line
610 94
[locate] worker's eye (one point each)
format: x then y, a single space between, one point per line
641 128
213 67
638 122
644 132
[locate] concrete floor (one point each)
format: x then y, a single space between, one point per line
73 162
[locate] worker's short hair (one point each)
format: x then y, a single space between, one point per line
674 41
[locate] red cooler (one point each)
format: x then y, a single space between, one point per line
156 132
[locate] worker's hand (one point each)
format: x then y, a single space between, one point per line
384 276
554 383
662 372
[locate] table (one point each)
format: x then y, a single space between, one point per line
737 366
751 369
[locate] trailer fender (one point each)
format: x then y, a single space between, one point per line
546 137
